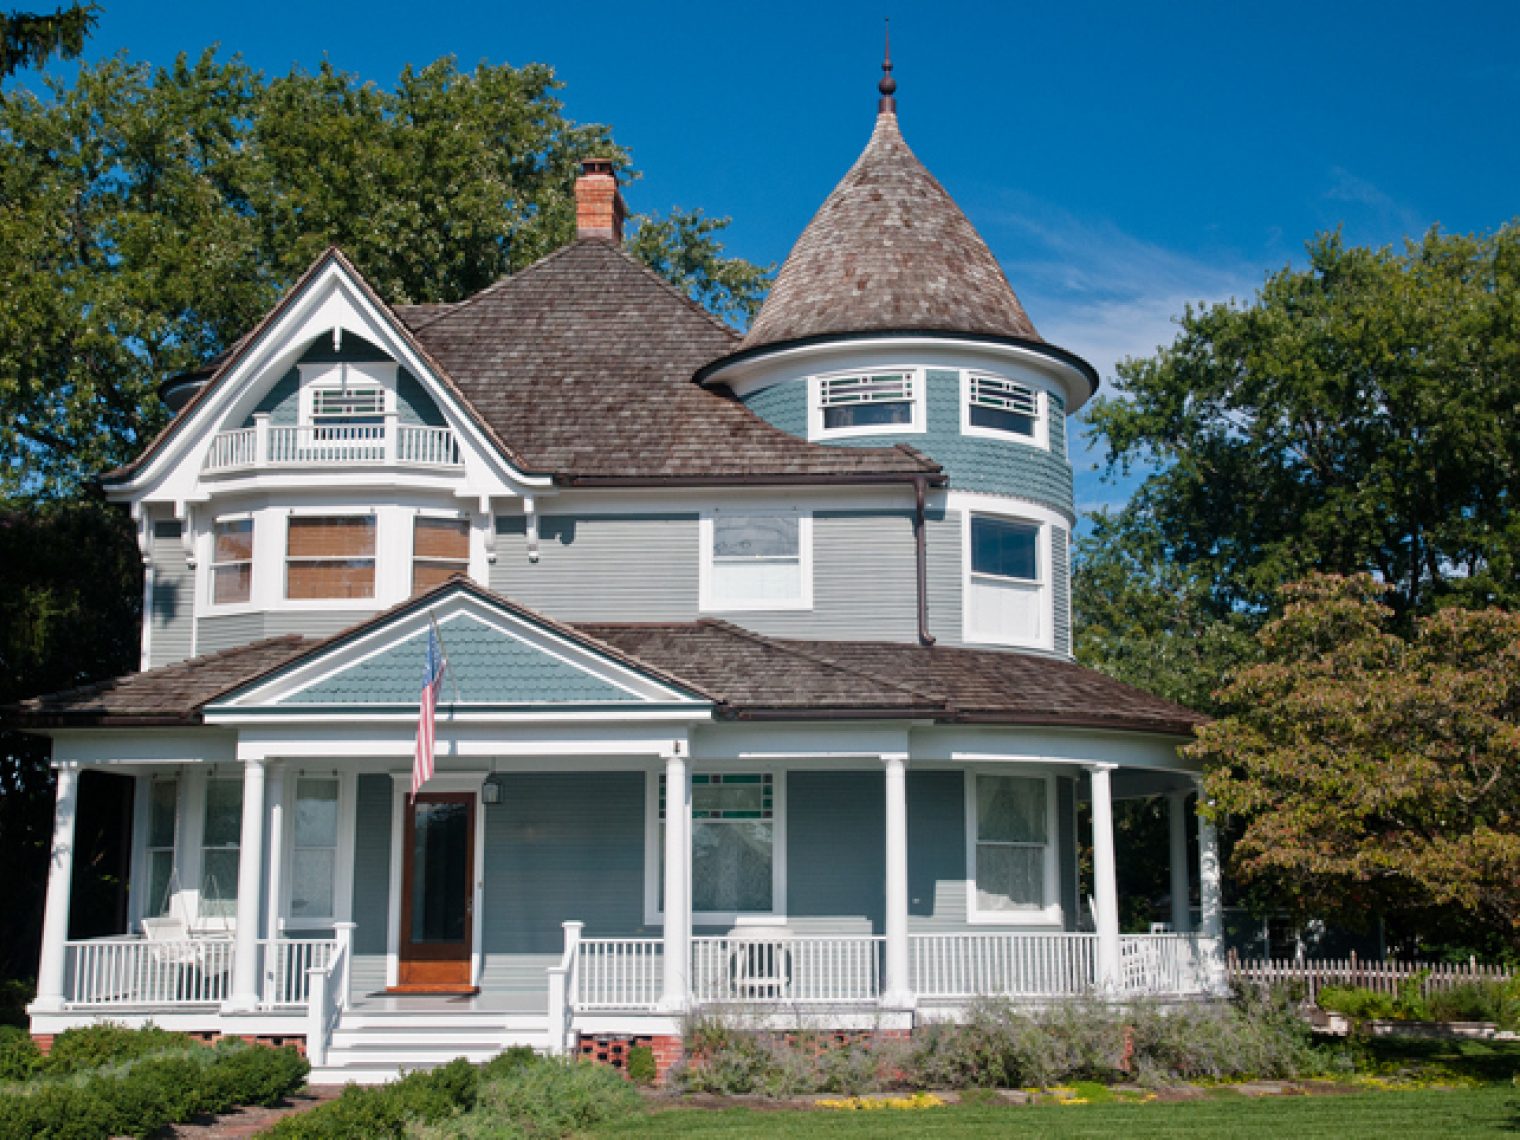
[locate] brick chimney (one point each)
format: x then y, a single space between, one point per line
598 205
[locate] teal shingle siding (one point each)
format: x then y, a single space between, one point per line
485 665
973 463
282 402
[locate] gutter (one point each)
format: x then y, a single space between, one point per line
828 479
921 561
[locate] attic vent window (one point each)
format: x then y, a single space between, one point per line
873 403
357 403
996 405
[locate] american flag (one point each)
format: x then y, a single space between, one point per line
432 678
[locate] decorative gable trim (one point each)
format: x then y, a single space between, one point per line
505 663
332 299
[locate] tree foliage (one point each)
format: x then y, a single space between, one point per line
1359 415
29 39
1374 773
152 216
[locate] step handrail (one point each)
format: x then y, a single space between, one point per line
563 982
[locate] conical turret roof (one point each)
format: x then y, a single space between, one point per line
889 250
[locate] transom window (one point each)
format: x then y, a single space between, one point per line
330 557
1002 405
733 843
1012 850
759 561
232 561
440 549
867 403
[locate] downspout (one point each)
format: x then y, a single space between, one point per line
921 552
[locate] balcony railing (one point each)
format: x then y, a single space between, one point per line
387 443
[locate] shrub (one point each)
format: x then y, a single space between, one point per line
548 1098
642 1069
108 1043
19 1055
15 995
388 1110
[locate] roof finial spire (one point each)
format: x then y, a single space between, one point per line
888 86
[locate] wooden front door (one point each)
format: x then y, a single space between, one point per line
438 893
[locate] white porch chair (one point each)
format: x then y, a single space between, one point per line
759 962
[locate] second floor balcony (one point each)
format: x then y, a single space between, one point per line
382 442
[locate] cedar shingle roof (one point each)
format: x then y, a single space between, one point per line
170 694
584 363
747 674
889 250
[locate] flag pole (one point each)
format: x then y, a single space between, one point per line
447 668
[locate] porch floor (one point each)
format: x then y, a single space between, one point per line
498 1001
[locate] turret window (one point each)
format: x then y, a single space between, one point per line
1006 598
1001 408
866 403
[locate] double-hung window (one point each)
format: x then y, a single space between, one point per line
757 561
163 810
884 402
440 549
995 405
330 556
733 844
314 850
1012 861
232 561
221 837
1005 596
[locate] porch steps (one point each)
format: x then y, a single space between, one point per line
374 1046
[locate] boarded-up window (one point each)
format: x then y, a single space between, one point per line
440 548
232 562
331 557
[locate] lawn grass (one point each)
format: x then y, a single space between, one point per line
1478 1112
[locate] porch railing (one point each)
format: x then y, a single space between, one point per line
287 966
106 972
1162 964
388 442
327 997
966 965
619 973
756 968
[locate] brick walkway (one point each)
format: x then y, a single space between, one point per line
251 1121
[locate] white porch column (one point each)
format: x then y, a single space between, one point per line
245 954
274 886
676 993
1105 880
1182 913
1210 901
55 919
897 991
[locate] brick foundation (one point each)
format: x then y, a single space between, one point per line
613 1049
44 1041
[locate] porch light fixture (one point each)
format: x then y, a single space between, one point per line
490 792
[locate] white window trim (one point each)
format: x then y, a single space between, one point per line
384 567
343 856
654 914
707 603
466 564
1041 437
916 425
1049 915
336 374
208 559
1043 587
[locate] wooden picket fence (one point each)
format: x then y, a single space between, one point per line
1378 976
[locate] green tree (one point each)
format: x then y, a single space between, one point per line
28 39
1359 415
152 216
1373 773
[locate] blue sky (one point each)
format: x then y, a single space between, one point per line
1121 159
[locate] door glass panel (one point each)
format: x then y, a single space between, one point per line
440 877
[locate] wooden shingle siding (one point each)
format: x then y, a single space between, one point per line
602 567
562 846
836 852
173 605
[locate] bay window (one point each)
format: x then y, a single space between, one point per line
330 557
232 561
440 549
